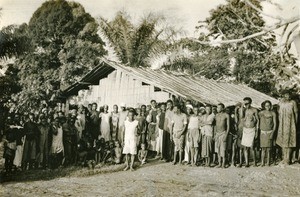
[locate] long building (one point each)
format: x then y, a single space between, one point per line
113 83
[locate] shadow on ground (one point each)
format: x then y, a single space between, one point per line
74 171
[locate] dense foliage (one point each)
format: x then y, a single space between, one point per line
61 43
14 41
254 61
246 62
64 46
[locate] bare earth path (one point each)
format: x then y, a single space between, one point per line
163 179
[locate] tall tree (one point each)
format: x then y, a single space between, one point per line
248 61
14 41
9 83
66 46
238 25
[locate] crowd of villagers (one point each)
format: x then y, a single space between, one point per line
176 131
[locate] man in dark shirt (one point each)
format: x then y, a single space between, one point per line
43 142
31 133
69 141
94 122
9 144
166 141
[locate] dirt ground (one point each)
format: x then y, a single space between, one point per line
164 179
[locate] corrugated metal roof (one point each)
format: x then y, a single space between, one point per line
91 78
184 85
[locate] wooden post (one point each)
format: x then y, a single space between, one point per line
66 107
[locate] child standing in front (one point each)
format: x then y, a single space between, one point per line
99 146
142 155
118 152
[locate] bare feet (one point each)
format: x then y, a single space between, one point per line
131 169
125 169
294 160
282 164
193 164
218 166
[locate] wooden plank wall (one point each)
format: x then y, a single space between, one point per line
119 87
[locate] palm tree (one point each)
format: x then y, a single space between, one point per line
136 44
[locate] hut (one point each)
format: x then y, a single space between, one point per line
113 83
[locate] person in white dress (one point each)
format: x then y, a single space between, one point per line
20 141
105 124
80 122
130 139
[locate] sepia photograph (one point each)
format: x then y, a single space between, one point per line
149 98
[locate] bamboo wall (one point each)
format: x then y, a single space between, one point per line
119 87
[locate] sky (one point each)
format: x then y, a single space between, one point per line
182 13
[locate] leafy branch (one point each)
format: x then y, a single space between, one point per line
254 35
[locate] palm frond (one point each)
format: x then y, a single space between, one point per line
135 44
119 33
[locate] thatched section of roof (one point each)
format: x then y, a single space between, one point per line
183 85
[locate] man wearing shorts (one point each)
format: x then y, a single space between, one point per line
179 123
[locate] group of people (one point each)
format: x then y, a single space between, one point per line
177 132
